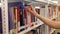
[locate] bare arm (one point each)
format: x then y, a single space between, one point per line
49 22
45 20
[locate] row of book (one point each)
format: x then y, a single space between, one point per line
52 14
19 17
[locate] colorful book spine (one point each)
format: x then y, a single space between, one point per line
25 18
22 18
15 21
21 14
17 18
11 16
29 17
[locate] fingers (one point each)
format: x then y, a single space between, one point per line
28 9
32 8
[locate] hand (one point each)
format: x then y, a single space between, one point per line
31 9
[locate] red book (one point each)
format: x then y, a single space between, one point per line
17 14
27 18
17 18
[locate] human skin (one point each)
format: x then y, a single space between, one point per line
46 21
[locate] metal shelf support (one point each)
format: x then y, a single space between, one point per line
5 16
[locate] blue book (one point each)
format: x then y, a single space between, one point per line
21 14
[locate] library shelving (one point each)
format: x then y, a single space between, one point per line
30 28
13 22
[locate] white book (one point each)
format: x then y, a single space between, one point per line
38 10
28 19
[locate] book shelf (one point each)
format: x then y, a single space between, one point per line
9 4
31 28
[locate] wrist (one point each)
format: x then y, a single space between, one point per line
37 15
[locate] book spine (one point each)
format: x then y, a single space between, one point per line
22 23
32 20
0 21
17 16
16 20
50 12
38 11
11 18
28 19
22 14
25 18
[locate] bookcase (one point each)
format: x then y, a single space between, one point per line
14 23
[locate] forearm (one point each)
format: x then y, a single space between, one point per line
48 21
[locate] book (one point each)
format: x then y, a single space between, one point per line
29 19
25 18
17 15
33 22
22 18
11 22
17 18
38 11
22 14
50 12
0 22
54 12
38 30
11 19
